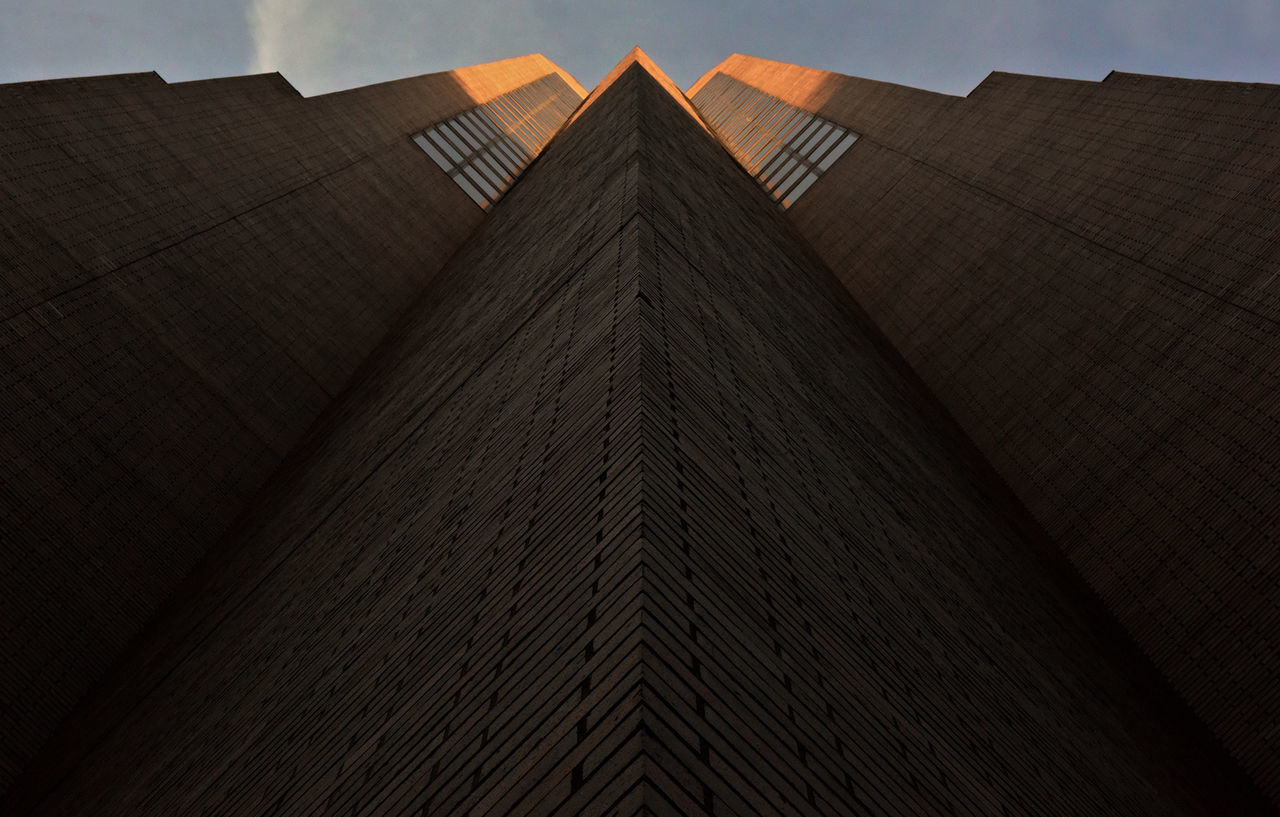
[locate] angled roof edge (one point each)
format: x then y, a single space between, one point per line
485 81
481 83
793 83
634 56
715 69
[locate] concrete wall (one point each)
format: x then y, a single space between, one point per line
634 515
191 272
1085 274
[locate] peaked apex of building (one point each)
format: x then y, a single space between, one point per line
637 56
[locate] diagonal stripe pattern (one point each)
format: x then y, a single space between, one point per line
784 148
485 149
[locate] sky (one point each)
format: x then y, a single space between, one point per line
941 45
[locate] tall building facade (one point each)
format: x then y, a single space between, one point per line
801 444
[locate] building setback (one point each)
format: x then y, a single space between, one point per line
614 500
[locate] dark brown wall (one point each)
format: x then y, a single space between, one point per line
631 515
1084 273
190 273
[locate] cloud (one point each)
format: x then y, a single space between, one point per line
41 39
323 45
276 27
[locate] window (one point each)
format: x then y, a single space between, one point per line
484 149
786 149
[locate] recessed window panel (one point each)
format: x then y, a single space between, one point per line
837 151
774 164
785 147
457 128
815 136
787 183
505 149
821 149
503 163
504 111
756 168
792 131
493 168
484 149
775 120
799 189
431 150
480 126
470 190
486 186
795 118
445 145
790 164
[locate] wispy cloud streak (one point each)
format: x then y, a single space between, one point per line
322 45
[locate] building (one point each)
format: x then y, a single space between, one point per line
349 476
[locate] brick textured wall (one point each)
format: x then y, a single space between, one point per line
190 273
632 515
1085 273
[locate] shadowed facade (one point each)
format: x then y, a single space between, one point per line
191 273
1084 274
635 511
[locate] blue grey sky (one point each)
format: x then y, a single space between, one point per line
325 45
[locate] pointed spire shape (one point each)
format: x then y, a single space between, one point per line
637 56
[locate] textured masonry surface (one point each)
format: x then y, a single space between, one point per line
633 515
1085 275
190 273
